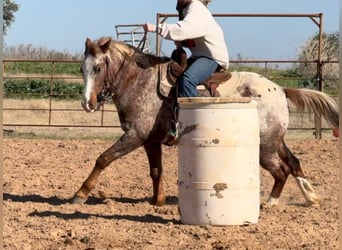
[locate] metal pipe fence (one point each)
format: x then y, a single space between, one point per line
104 118
50 109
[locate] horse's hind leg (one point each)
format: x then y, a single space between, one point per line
154 153
292 161
278 169
123 146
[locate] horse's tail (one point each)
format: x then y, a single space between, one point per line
314 101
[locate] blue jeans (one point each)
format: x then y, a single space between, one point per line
199 70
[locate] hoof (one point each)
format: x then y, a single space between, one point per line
315 203
267 205
272 202
157 203
160 203
78 200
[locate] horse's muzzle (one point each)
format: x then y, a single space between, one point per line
89 107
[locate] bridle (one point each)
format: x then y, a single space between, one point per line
107 91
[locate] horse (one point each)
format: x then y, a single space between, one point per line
114 69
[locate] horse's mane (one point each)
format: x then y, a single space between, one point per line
143 60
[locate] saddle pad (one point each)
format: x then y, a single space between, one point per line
226 88
165 84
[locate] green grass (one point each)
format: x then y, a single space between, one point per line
69 68
41 89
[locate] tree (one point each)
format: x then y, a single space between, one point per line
9 7
329 52
330 43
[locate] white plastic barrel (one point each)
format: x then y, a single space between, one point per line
218 161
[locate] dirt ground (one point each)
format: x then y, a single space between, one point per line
40 176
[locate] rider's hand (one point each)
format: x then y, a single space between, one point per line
149 27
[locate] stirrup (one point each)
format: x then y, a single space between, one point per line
171 137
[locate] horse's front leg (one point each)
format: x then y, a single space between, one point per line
123 146
154 154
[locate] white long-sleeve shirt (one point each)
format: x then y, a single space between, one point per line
201 29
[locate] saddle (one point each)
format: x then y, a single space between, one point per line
177 66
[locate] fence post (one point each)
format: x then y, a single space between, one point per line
51 90
319 87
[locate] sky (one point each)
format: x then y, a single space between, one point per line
64 25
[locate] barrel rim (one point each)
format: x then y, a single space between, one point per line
186 100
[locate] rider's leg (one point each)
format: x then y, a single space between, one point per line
199 71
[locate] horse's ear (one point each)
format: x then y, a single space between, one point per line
104 44
88 42
89 45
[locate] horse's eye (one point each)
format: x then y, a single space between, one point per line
97 69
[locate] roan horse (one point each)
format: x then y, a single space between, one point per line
132 79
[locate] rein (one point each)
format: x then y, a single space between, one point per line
107 92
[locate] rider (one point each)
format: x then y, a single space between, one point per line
201 34
198 31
